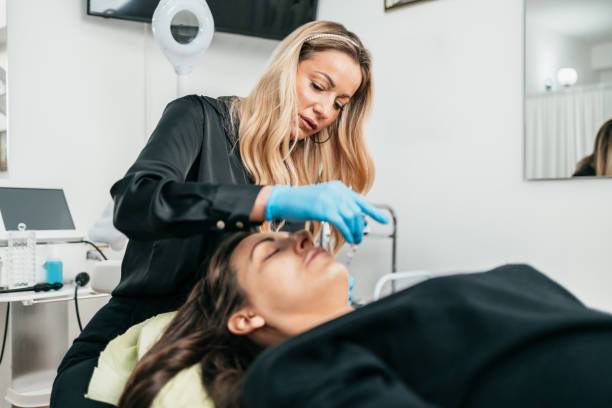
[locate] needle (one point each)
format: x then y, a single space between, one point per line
350 254
351 280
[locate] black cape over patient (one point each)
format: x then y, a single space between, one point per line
510 337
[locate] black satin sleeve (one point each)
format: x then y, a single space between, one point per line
155 201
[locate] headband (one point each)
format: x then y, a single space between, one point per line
334 36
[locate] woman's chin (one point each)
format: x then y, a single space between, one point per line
338 268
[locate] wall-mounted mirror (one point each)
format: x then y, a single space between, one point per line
3 90
568 88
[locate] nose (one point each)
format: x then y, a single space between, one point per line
302 241
322 109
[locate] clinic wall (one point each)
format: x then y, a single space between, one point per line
601 56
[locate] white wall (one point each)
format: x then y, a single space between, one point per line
548 51
601 60
606 76
446 130
601 56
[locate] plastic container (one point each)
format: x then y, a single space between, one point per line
21 258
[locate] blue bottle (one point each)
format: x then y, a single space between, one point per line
55 270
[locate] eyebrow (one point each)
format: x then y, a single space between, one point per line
333 84
255 246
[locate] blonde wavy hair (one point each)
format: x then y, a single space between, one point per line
601 158
268 115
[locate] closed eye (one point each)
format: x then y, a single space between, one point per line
271 254
316 86
337 106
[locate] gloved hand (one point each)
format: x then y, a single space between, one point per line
332 202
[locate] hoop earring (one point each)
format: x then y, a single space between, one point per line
317 141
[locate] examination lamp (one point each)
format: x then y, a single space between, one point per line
183 29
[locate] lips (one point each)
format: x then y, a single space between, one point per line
310 124
312 254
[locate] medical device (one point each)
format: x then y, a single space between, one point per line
20 268
43 210
33 223
183 29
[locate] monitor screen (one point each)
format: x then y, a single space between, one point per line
38 208
260 18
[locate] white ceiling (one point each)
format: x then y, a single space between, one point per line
589 20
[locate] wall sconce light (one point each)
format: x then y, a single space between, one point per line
567 77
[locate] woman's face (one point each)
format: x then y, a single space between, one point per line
289 282
325 83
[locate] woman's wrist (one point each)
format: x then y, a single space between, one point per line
258 213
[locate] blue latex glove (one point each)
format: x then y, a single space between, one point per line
333 202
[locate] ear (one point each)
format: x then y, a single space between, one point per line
245 321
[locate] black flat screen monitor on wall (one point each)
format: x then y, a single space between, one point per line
260 18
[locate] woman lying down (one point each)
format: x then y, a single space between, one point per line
269 326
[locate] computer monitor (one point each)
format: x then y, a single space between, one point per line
43 210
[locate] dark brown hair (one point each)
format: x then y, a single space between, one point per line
198 333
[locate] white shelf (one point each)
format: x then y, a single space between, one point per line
64 294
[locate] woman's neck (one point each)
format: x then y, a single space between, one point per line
271 335
309 322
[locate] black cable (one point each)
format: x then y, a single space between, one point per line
96 247
8 308
76 307
39 287
80 280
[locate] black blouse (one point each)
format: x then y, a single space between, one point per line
187 189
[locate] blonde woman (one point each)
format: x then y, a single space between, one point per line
293 151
